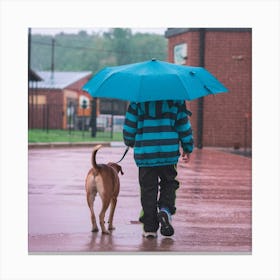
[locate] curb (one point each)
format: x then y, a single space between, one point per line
66 145
73 145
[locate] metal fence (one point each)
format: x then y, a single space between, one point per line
72 119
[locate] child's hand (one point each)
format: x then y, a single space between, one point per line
186 157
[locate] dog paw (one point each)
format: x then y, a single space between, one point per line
95 230
105 232
111 228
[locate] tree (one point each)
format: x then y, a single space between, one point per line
120 39
92 52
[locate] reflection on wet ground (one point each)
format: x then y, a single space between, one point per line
213 205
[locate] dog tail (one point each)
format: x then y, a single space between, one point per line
93 156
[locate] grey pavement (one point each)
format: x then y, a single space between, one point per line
213 216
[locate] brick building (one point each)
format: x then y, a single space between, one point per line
223 120
55 101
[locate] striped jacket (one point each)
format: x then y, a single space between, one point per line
155 130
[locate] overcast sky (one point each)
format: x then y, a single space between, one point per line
53 31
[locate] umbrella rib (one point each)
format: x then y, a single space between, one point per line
184 85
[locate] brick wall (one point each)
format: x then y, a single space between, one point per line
228 55
50 114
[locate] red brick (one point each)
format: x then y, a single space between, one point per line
228 56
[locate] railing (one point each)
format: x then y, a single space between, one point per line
73 120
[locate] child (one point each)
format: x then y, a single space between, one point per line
156 129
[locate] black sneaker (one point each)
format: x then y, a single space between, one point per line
165 221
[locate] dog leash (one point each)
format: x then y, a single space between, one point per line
124 154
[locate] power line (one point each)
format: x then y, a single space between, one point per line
93 49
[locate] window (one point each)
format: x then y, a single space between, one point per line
180 53
37 99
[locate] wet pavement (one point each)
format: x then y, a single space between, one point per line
213 205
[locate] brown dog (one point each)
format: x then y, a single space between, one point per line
104 179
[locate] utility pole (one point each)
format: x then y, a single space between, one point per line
52 81
52 62
29 53
30 118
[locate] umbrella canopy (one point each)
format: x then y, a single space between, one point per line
153 80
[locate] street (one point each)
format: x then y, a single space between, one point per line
213 203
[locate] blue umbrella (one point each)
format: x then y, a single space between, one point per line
153 80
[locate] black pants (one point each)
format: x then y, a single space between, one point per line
153 197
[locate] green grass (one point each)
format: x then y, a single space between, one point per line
53 135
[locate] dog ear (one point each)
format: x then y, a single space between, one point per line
121 170
117 167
